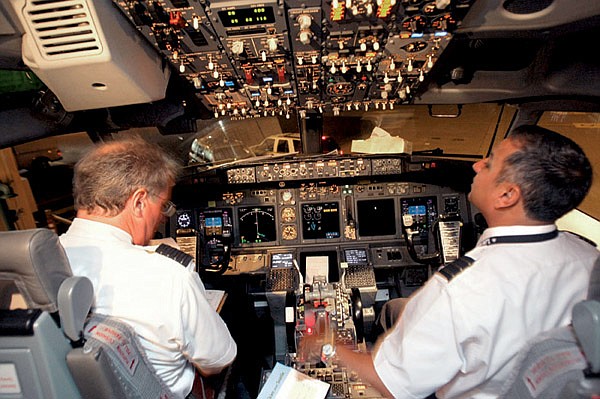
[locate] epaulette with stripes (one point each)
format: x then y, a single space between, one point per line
453 269
175 254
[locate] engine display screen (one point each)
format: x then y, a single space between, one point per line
321 220
246 16
376 217
256 224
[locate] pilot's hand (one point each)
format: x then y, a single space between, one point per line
309 348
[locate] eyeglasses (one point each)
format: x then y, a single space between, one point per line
168 208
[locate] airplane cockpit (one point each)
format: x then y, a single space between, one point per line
327 146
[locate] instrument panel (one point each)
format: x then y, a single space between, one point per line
247 59
372 213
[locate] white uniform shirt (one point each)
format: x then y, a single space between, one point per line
463 335
161 299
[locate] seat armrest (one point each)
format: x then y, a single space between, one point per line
75 297
586 323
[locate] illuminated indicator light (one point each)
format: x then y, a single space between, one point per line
267 79
229 83
384 9
416 34
440 34
383 12
338 13
309 330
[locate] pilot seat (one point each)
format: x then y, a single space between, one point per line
563 363
51 347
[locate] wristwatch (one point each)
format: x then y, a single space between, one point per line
327 353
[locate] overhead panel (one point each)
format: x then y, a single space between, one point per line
248 59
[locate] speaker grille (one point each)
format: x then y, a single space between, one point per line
526 6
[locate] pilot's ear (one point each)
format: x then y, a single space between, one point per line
508 196
138 201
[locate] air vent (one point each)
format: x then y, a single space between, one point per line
62 28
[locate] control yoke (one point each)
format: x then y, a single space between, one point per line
446 231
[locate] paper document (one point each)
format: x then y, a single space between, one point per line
381 142
317 266
288 383
216 298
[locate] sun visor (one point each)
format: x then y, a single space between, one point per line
89 55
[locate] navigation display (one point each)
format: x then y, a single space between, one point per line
256 224
376 217
321 220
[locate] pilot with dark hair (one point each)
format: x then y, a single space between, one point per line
122 192
458 336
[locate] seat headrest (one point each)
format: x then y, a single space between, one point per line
594 287
37 264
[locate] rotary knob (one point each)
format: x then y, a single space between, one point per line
237 47
305 36
304 20
272 44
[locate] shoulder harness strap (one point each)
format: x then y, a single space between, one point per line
453 269
174 253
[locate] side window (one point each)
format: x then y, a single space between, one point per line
282 146
297 146
268 145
